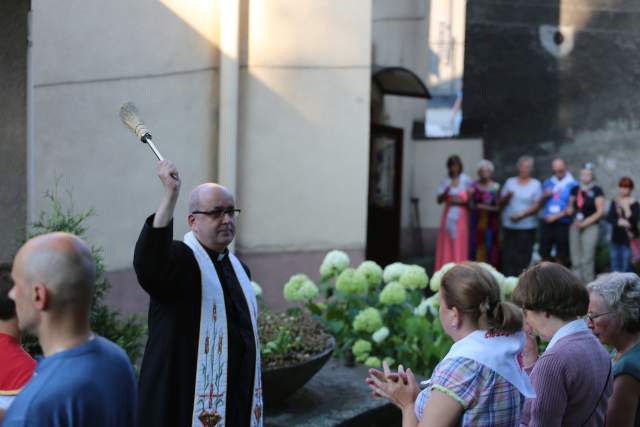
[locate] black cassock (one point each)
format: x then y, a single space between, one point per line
169 272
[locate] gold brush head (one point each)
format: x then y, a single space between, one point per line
131 119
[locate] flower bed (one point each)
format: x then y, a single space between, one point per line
290 338
380 314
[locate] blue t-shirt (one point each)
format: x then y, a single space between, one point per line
92 384
560 195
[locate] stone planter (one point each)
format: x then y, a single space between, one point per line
279 383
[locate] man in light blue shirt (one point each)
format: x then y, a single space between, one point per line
556 222
83 379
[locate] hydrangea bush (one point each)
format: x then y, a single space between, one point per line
377 314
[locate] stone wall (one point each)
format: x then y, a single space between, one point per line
13 128
544 93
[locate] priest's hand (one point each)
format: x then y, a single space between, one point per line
170 178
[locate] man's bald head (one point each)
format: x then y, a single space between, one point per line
63 263
212 216
200 195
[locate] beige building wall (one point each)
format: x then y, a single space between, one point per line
400 31
447 20
303 127
86 62
304 136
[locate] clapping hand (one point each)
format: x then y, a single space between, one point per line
400 388
516 217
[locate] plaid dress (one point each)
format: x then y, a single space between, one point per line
487 398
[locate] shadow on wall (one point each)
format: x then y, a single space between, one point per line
266 91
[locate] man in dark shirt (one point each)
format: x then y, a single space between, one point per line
176 278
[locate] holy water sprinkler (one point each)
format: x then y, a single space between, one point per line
131 118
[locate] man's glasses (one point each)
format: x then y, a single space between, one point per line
219 213
592 317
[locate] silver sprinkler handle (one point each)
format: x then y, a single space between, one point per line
154 149
146 139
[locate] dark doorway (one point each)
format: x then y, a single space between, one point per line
385 192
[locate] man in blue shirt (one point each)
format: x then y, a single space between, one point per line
83 379
556 222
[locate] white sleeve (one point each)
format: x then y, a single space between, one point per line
506 187
443 185
537 195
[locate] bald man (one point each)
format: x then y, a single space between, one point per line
201 363
83 379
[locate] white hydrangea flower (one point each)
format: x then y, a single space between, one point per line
257 289
392 272
429 305
434 283
495 273
510 284
414 277
380 335
433 305
300 288
372 271
334 263
421 309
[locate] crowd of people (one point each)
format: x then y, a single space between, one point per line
486 222
201 364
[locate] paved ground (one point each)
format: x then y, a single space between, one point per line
335 396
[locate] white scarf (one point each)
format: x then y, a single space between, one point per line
578 325
559 184
211 368
500 353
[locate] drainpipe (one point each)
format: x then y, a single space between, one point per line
228 103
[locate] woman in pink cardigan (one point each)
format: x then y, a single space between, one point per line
572 378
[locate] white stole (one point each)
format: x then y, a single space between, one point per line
211 368
500 353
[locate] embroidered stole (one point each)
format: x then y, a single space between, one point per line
211 368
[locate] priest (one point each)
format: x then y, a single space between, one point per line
201 365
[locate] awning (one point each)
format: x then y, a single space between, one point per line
398 81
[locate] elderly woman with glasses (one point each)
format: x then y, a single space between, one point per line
614 317
572 378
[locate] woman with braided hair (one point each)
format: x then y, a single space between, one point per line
480 382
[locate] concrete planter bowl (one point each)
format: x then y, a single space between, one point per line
279 383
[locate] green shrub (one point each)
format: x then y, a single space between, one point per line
128 332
